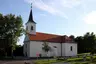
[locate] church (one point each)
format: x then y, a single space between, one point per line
61 45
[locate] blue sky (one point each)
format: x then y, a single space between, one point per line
63 17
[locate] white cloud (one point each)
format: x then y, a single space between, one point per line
69 3
55 7
43 14
90 18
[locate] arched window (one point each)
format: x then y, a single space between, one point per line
71 48
31 27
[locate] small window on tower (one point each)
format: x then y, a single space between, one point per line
31 27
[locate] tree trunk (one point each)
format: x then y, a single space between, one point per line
47 56
11 49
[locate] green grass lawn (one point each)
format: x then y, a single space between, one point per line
45 61
70 60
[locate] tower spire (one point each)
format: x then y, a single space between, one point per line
31 25
31 16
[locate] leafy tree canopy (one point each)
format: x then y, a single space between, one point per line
86 43
11 28
46 47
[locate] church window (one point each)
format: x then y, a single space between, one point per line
71 48
31 27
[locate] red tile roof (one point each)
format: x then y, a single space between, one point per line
49 37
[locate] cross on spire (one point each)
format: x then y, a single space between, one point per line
31 5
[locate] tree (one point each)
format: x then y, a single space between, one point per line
90 41
46 48
87 43
11 28
18 50
79 40
72 37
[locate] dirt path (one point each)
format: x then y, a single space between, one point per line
16 62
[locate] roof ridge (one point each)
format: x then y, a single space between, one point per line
49 33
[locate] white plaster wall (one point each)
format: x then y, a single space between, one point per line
26 48
66 49
29 24
36 47
55 51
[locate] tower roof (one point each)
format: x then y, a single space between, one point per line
31 16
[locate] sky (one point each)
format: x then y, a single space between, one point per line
62 17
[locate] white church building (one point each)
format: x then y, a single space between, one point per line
60 45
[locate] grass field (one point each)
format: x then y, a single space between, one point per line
73 60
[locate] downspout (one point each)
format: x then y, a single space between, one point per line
61 46
61 49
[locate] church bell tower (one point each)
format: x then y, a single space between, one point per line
31 25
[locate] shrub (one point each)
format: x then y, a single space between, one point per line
80 63
74 59
60 59
85 63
